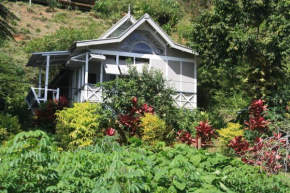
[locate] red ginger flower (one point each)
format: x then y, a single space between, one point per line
110 132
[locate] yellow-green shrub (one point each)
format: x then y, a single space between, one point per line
78 126
227 134
153 128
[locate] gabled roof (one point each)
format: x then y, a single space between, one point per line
127 17
146 18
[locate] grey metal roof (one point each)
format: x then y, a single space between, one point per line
56 58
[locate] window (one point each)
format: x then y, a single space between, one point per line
92 78
142 48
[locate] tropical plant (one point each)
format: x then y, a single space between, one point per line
31 164
79 126
183 136
257 120
239 145
205 132
188 120
45 116
26 163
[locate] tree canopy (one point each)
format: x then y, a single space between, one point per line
244 45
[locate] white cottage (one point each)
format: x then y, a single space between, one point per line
99 60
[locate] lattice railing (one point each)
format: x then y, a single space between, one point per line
185 100
94 93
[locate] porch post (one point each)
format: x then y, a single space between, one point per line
181 96
80 86
86 75
46 77
39 82
195 83
101 72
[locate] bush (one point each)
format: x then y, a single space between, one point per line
188 120
153 129
78 126
45 116
227 134
149 87
9 127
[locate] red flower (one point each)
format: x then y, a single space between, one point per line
110 132
134 101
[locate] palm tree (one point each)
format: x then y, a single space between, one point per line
5 16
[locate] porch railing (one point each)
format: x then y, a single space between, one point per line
94 94
37 95
185 99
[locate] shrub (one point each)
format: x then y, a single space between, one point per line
239 145
188 120
227 134
153 129
183 136
9 127
78 126
257 120
205 131
149 87
45 116
129 122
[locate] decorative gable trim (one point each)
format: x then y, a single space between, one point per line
117 25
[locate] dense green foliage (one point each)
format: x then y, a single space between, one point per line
149 87
244 46
245 49
31 163
9 127
27 163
